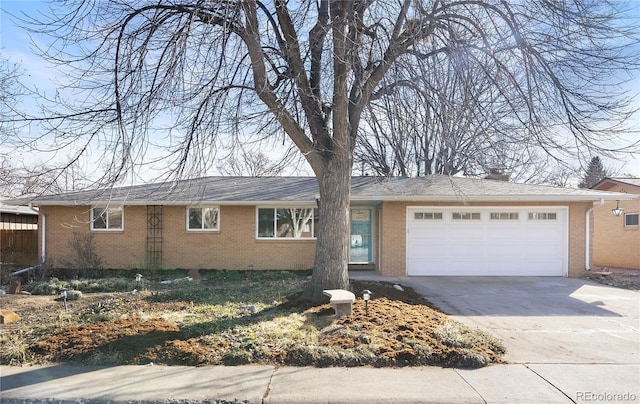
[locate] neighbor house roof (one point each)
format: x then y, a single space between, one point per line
17 210
304 190
608 183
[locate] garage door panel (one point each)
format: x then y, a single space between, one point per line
543 248
515 246
452 267
537 234
507 255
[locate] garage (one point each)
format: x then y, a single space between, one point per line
487 241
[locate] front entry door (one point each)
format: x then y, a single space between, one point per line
361 245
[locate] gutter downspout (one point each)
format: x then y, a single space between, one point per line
587 254
43 255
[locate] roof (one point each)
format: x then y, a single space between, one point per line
17 210
608 183
304 190
463 189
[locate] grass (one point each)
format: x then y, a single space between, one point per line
14 347
236 318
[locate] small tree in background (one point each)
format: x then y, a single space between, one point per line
595 173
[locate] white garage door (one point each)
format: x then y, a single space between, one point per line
484 241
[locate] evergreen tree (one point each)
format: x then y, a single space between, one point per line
595 173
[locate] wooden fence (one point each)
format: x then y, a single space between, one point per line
19 247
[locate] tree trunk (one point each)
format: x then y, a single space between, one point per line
332 246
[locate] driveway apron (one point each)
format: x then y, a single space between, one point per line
543 320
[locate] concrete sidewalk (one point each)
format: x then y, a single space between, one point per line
534 383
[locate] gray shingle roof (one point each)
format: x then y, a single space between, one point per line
459 189
304 190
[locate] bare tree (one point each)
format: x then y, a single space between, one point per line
562 176
17 180
448 120
204 69
252 164
10 92
449 116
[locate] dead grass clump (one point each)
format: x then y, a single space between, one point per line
458 335
14 348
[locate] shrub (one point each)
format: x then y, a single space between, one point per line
43 288
74 295
86 262
107 285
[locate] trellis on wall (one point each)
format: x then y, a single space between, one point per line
154 235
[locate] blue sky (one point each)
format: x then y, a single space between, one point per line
15 44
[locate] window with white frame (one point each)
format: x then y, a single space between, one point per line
296 223
465 215
504 216
631 220
203 218
103 219
543 216
427 215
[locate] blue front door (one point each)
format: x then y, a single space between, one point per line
361 245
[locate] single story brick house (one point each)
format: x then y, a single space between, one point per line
435 225
616 239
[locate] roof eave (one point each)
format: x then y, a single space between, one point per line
174 203
610 196
497 198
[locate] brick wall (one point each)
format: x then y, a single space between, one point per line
577 237
615 245
234 246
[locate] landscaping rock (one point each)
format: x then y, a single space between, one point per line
8 317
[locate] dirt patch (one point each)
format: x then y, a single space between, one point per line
617 277
396 328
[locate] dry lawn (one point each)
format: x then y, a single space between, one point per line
208 324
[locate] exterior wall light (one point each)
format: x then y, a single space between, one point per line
617 211
63 296
366 295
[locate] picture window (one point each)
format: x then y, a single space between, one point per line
287 223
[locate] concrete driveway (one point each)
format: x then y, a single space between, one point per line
544 320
